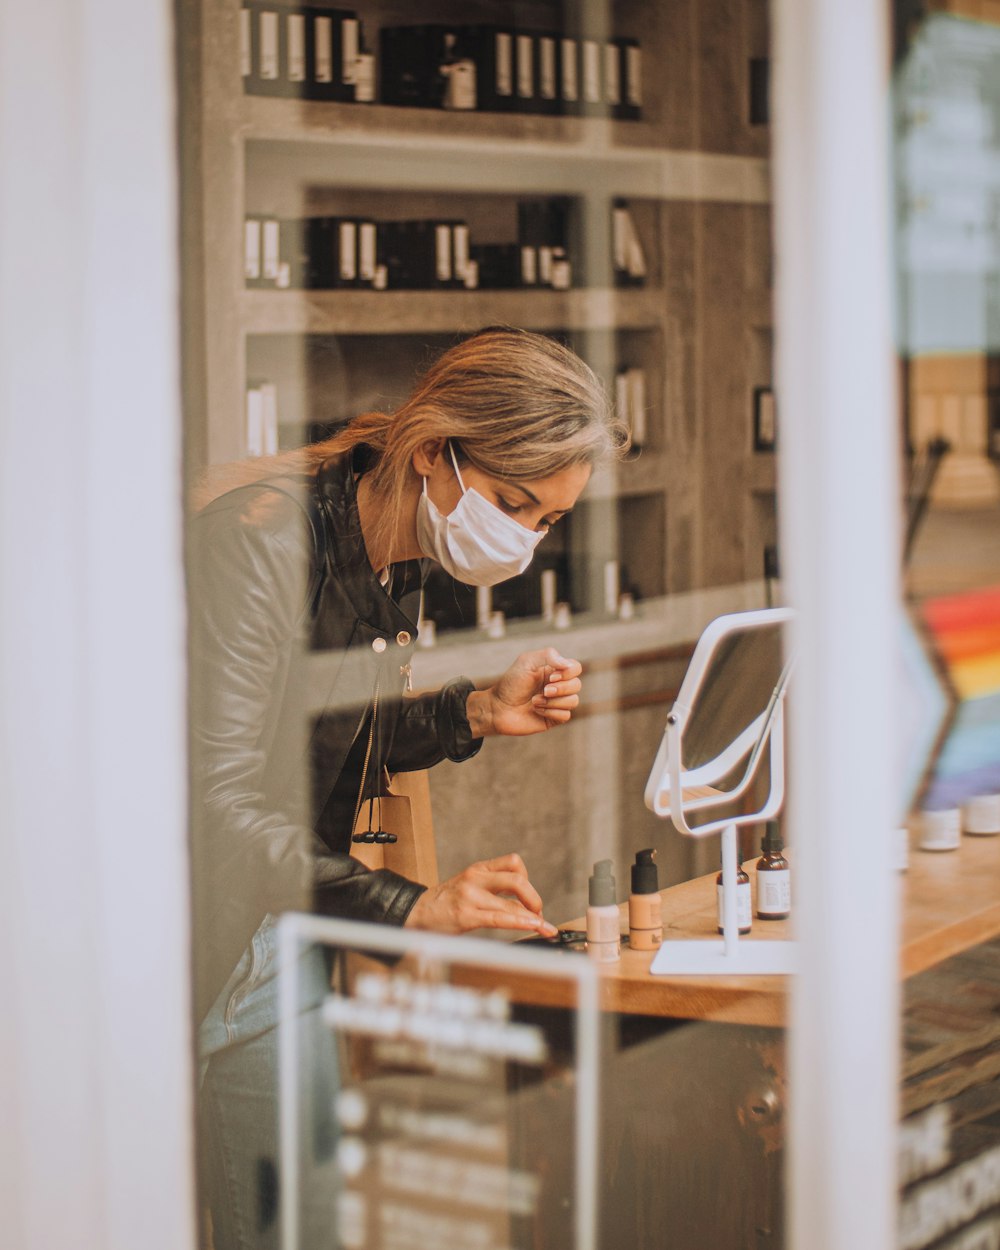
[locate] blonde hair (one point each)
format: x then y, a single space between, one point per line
520 407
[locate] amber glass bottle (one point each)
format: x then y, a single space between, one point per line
774 895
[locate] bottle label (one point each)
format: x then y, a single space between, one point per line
604 952
364 78
296 30
246 54
504 45
348 235
268 46
743 916
774 892
602 925
547 67
271 249
442 252
612 74
525 67
591 71
461 90
570 84
367 244
323 54
348 49
633 70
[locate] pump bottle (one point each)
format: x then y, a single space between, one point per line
604 942
774 896
744 912
645 921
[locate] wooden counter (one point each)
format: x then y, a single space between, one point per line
951 901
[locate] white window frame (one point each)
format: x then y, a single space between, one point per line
840 503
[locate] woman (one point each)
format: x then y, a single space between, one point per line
304 598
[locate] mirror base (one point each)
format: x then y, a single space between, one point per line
707 958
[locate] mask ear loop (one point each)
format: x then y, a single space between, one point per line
458 471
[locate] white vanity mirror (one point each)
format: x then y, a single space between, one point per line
728 711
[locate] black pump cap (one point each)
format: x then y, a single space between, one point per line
772 838
602 884
644 875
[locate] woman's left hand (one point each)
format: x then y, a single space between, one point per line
539 690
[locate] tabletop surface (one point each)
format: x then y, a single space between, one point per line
951 901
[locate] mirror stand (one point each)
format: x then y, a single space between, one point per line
676 792
727 956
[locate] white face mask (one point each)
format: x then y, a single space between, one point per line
476 543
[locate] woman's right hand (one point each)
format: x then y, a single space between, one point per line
492 894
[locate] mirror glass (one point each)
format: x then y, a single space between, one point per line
725 708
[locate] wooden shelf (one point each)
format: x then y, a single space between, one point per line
266 117
291 140
429 312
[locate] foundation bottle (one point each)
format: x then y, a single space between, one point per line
645 921
774 892
744 912
604 943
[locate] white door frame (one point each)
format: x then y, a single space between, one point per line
840 505
95 1047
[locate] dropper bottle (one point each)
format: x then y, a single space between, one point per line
744 912
774 895
645 920
604 943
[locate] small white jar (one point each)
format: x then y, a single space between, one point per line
940 830
981 815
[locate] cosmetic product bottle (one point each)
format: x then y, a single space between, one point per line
484 607
940 829
774 891
981 815
645 921
604 942
548 586
744 912
612 579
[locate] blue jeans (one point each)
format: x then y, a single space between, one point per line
238 1104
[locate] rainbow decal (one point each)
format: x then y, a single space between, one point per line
965 631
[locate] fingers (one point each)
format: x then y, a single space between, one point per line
477 907
555 716
511 862
550 663
566 668
558 699
512 883
493 894
503 919
557 688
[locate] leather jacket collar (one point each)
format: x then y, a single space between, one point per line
346 555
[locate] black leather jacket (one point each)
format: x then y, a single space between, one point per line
292 637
